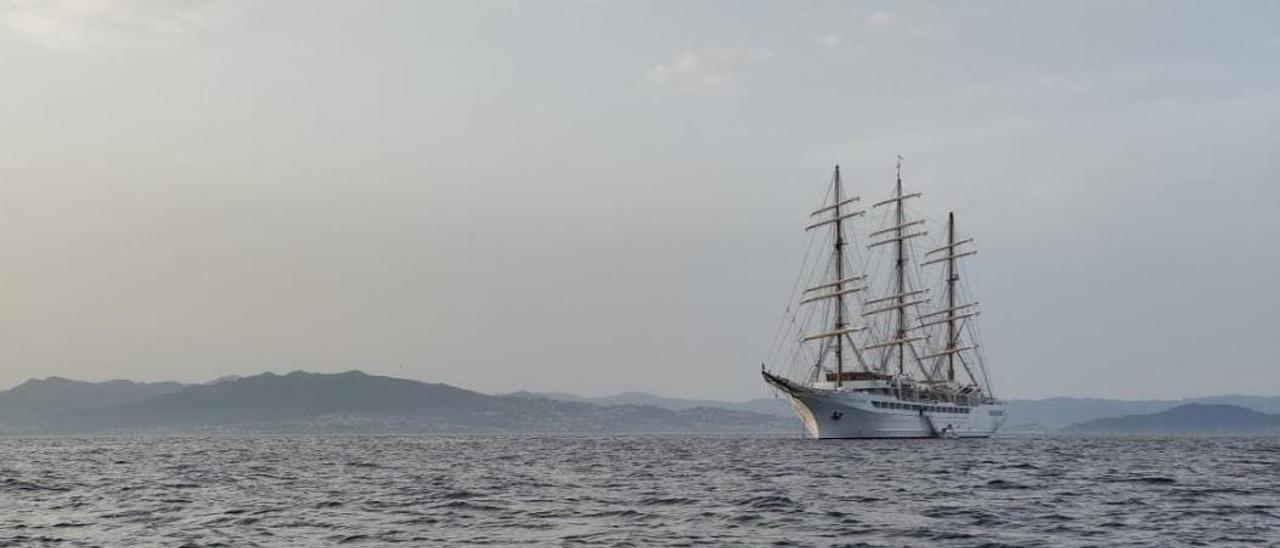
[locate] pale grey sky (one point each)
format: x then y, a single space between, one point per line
603 196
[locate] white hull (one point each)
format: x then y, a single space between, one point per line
828 414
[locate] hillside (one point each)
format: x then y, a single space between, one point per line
54 399
1188 418
358 402
1059 412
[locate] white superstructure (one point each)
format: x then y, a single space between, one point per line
870 350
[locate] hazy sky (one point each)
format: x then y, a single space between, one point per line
604 196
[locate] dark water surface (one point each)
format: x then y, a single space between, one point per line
639 491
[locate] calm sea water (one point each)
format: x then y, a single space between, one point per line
639 491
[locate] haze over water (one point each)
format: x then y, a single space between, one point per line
639 491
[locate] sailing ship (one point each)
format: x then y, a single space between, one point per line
870 348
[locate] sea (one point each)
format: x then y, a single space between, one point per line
639 491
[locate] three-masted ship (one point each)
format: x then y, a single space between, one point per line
882 338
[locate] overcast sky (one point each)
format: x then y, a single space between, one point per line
603 196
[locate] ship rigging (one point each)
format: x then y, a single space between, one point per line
869 349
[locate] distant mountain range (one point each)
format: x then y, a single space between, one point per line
1055 413
335 403
1188 418
1045 415
358 402
55 399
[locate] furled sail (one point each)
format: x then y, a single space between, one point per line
905 317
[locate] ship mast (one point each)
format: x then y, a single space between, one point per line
901 297
955 312
951 297
842 284
839 258
900 270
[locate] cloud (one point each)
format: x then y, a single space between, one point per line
882 20
829 41
709 69
85 25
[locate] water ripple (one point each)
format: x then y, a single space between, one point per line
638 491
